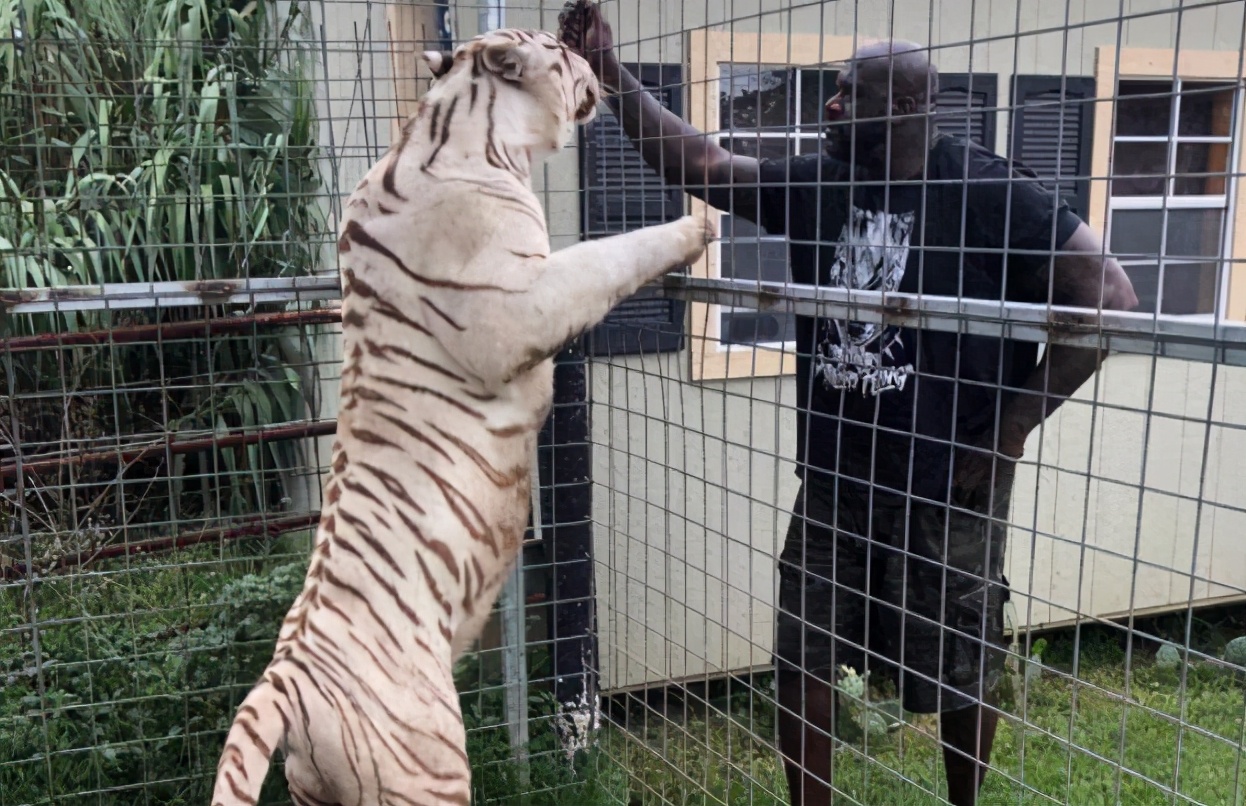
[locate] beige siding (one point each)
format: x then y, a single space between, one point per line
692 505
356 107
694 479
1184 528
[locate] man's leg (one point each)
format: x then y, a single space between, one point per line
806 719
820 610
952 615
967 734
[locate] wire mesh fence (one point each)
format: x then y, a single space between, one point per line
171 178
172 175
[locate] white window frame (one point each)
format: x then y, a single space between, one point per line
1113 65
1170 201
709 51
720 137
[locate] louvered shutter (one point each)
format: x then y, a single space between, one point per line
966 106
619 193
1052 130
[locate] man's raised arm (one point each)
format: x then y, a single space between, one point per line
672 147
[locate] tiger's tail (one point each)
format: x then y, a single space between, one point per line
259 728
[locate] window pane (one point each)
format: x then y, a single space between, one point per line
1189 288
1144 108
816 88
736 226
748 327
755 260
1145 281
749 97
1191 233
1136 233
1206 110
1202 169
1139 169
1195 233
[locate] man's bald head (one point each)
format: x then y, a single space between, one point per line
906 66
882 112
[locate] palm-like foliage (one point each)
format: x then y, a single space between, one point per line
144 140
153 140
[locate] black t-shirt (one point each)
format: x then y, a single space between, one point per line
884 405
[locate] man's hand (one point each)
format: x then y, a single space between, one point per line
669 144
582 28
978 469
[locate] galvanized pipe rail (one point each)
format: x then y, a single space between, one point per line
170 294
1203 339
1194 338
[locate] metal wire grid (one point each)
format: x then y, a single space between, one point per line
674 456
170 389
697 464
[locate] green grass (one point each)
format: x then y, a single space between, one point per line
1066 739
143 665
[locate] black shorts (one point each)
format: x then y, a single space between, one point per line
867 585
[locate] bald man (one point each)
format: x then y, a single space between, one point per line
907 439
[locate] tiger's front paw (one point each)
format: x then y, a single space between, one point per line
697 233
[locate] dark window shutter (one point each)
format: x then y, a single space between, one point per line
1052 133
966 106
619 193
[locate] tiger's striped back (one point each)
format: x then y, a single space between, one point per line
452 307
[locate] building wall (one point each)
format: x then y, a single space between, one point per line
694 476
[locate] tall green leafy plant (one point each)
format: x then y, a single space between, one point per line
144 141
141 141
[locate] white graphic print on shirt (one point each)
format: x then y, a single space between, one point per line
872 252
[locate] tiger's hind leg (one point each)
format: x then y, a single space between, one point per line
357 737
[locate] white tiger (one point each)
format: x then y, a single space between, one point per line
453 306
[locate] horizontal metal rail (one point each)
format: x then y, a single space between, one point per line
1194 338
172 294
172 445
263 525
1183 337
172 331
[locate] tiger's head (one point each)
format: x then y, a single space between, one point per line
519 67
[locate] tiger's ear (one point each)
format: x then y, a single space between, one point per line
438 61
505 58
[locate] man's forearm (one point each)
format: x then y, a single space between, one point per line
1057 377
670 146
1085 278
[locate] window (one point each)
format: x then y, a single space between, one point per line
1169 191
773 111
754 75
770 112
